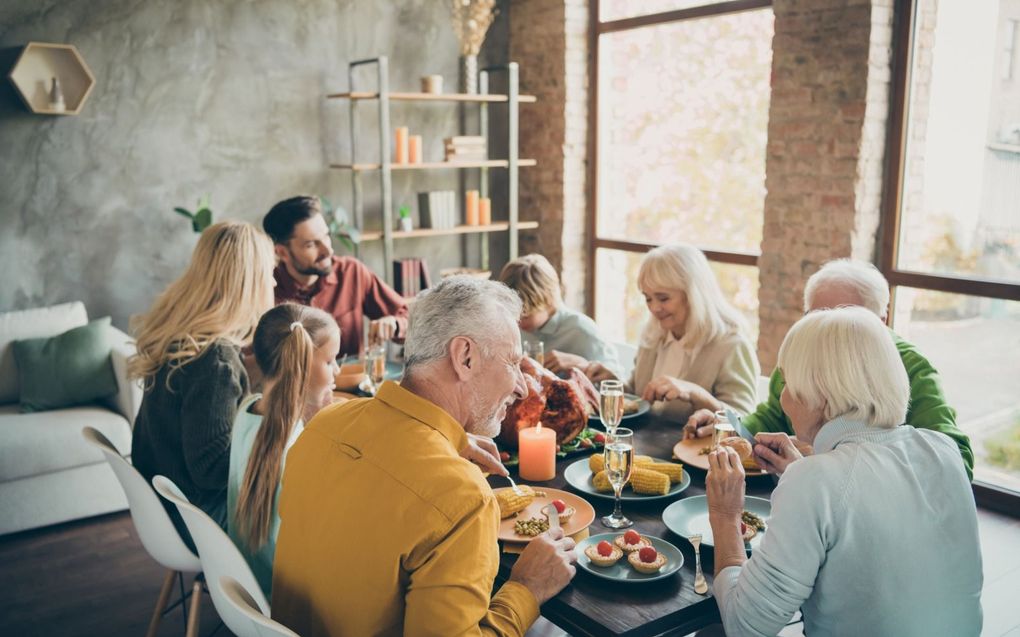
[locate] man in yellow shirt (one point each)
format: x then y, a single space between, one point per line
385 528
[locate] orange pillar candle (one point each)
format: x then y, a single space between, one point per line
536 449
400 152
471 208
414 149
484 211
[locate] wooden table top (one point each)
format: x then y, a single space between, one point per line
597 607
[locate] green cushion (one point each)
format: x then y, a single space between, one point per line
68 369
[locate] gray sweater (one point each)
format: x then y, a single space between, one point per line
183 433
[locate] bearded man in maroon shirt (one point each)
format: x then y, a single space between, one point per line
309 273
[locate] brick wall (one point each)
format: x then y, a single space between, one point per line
827 127
549 39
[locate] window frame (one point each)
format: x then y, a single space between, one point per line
987 495
597 29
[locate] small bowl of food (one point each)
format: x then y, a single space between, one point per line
350 376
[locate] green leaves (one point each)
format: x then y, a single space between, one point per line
339 225
202 218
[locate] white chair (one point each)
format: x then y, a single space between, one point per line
258 625
220 558
156 531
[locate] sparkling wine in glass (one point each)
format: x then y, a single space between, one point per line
619 456
536 350
376 363
611 404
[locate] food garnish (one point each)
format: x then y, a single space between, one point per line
560 505
648 555
631 537
605 549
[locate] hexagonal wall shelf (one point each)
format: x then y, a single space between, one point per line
35 69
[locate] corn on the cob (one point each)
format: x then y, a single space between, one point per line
674 471
596 462
641 461
649 482
510 503
601 482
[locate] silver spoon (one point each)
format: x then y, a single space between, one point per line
700 585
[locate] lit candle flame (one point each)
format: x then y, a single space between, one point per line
538 427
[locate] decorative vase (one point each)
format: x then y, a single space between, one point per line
56 97
406 225
469 74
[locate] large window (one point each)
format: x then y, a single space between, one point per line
681 99
951 244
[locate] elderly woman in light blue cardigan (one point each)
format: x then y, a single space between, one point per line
874 534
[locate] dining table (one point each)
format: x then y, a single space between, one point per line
598 607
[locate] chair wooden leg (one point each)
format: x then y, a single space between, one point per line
196 599
164 596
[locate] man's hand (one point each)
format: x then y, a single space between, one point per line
385 328
483 452
700 424
597 372
724 485
775 451
559 362
546 565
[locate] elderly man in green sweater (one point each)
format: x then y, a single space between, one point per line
847 282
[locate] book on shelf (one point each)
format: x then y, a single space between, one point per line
410 276
465 148
437 209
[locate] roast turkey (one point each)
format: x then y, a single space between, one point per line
561 405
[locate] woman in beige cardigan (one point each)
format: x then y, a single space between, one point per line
694 352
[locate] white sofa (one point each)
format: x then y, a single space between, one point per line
48 473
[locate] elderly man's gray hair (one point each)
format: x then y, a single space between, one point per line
860 276
458 306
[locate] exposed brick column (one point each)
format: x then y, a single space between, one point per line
549 39
824 160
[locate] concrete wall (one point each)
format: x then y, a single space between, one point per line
193 97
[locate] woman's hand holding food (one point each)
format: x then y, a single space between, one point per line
670 388
597 372
558 362
775 451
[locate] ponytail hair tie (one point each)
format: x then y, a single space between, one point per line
295 325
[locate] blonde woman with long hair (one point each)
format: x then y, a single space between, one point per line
694 351
296 348
189 357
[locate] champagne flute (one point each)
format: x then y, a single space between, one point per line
376 359
610 404
536 350
619 455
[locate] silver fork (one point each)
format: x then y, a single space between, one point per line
700 585
513 485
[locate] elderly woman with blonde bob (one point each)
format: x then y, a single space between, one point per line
694 351
189 357
874 534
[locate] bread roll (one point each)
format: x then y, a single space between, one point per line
738 444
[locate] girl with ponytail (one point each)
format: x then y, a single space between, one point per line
295 347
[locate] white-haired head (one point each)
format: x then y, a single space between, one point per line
848 282
682 267
845 359
459 306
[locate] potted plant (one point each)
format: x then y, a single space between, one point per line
405 219
339 225
201 218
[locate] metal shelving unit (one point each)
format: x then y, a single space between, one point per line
386 167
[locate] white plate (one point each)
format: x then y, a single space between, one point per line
690 516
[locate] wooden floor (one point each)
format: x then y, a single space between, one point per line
93 577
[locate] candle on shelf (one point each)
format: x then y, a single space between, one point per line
471 208
400 152
414 149
536 450
484 211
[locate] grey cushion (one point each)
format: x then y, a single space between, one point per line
43 442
